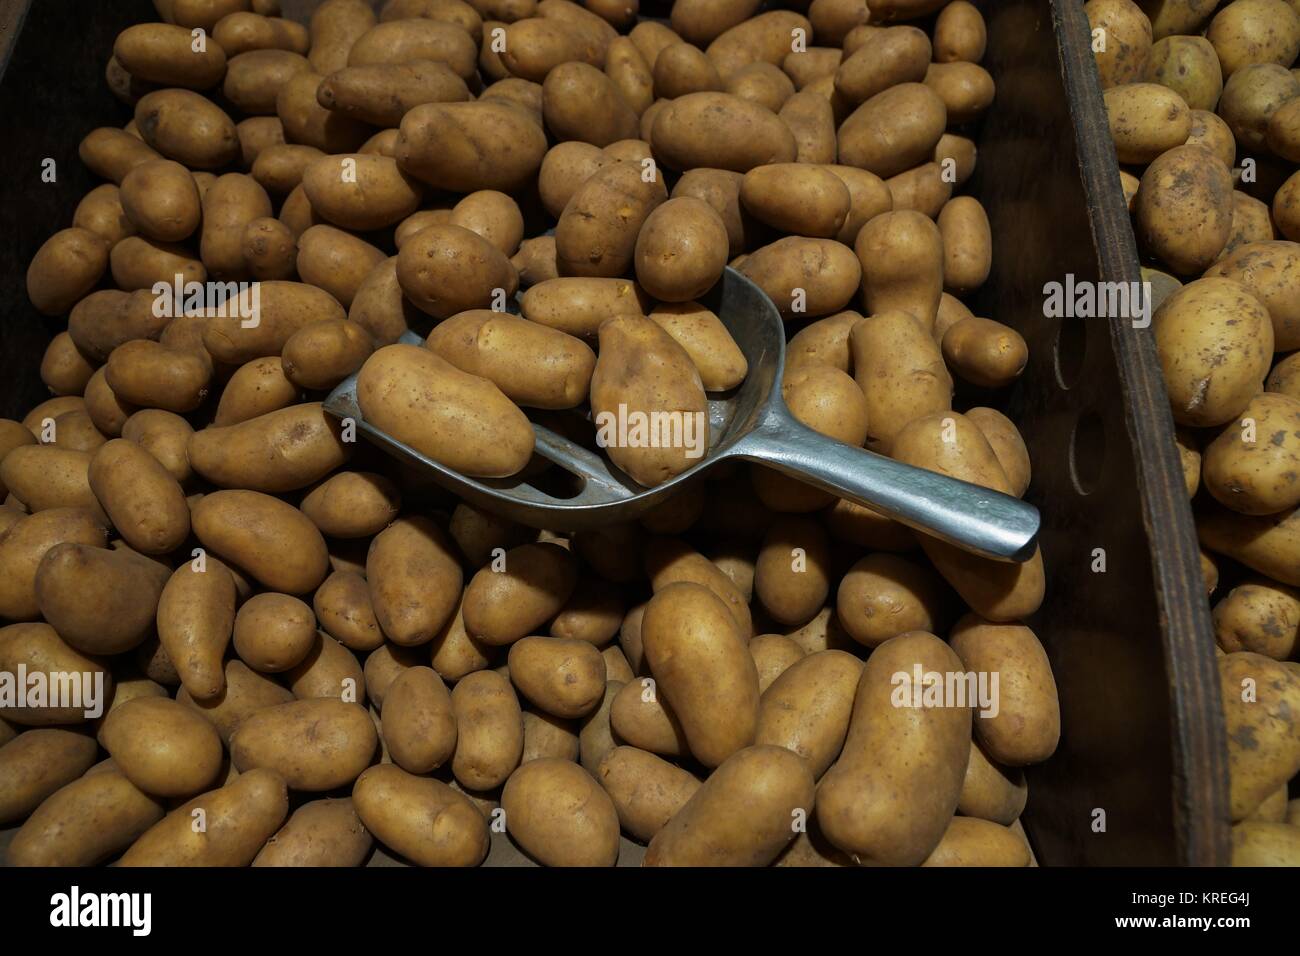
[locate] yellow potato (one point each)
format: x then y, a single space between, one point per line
315 745
980 843
1259 697
414 580
902 260
560 815
26 542
424 820
1146 119
325 832
1260 616
984 352
720 131
894 130
565 678
519 591
162 747
489 730
101 601
38 763
188 128
680 250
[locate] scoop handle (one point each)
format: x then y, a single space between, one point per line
966 515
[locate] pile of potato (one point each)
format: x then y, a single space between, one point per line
309 649
1204 109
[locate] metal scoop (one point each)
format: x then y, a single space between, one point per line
753 424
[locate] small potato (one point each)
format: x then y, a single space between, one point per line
901 373
1007 444
720 188
188 128
383 93
682 69
261 325
165 749
566 167
890 56
86 822
335 261
797 199
893 131
282 450
702 21
196 615
101 601
110 153
981 843
741 816
1255 31
960 34
792 574
25 543
547 737
274 542
38 763
991 792
596 734
580 102
1183 208
492 215
417 39
352 504
1285 378
269 249
641 372
681 250
320 355
424 820
643 719
761 83
452 146
431 268
419 727
535 261
560 815
1210 131
360 192
563 677
700 332
597 232
1260 616
967 245
557 373
773 654
720 131
1283 137
414 580
240 818
700 659
630 74
518 592
254 79
1268 270
807 709
66 267
1259 697
279 169
806 277
646 790
1250 96
489 730
165 436
315 745
1146 119
274 632
1023 725
884 595
763 38
142 499
454 652
150 374
383 667
1251 222
984 352
1214 340
324 832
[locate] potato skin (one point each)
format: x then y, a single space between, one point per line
646 790
720 131
86 822
419 727
165 749
38 763
597 232
681 250
240 818
142 499
324 832
414 580
1146 119
424 820
703 668
454 146
1215 343
797 198
272 541
1260 616
315 745
1183 208
64 269
531 585
188 128
807 708
560 815
1255 473
893 131
876 803
561 676
1263 750
100 601
974 842
39 649
743 815
489 730
827 272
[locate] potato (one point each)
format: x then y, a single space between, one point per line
455 653
1146 119
26 542
431 268
254 79
518 592
1023 723
272 541
279 169
328 670
165 436
564 169
807 708
597 232
38 763
335 27
188 128
274 632
492 215
812 277
315 745
417 39
901 373
262 325
548 737
798 199
320 355
1251 222
196 614
489 730
761 83
682 69
381 94
414 580
1183 208
1008 445
1249 32
1267 544
579 102
981 843
891 56
960 34
642 373
493 345
773 655
100 601
66 267
240 817
165 749
1250 96
792 574
1282 135
64 369
991 792
1265 844
681 250
142 499
893 131
110 153
455 146
360 192
100 211
1259 696
876 803
1250 466
1208 130
902 259
1189 66
325 832
88 821
150 374
646 790
705 671
596 734
767 38
166 54
701 333
884 595
282 450
1260 616
578 306
160 200
47 476
984 352
1268 270
743 815
1215 343
242 31
424 820
812 122
562 677
720 131
560 815
383 667
336 261
419 727
353 504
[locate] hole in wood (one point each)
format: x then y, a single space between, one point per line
1087 452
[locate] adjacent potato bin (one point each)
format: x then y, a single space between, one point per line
1140 775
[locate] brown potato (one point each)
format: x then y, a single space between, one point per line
381 94
884 595
1258 699
66 267
518 592
142 499
563 677
414 580
188 128
336 261
196 614
1260 616
982 843
451 146
162 747
805 277
720 131
38 763
315 745
100 601
1251 465
274 632
490 730
274 542
1183 208
419 727
578 306
325 832
282 450
681 250
646 790
424 820
26 542
984 352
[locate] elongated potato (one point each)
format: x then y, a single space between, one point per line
807 708
325 832
419 727
381 94
578 305
805 277
560 815
196 614
597 232
414 580
273 541
518 592
38 763
261 325
489 730
65 268
901 372
643 719
188 128
449 145
315 745
162 747
101 601
360 192
142 499
893 131
720 131
424 820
